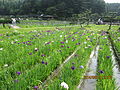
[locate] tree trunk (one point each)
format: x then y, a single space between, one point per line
3 25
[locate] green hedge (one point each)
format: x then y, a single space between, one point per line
5 21
108 19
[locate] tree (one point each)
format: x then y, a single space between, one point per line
111 17
60 8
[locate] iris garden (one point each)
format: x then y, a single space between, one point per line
29 55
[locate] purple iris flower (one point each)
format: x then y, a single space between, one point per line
73 67
36 87
62 45
18 73
107 56
42 62
42 55
77 43
101 71
75 32
29 41
62 42
48 31
29 44
84 33
69 36
81 66
48 43
30 53
73 39
25 42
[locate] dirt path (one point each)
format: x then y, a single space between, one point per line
14 26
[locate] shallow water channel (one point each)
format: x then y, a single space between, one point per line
116 70
90 84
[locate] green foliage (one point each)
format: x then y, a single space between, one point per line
60 8
111 17
2 20
113 7
82 18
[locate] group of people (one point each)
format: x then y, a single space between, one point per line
99 22
13 23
